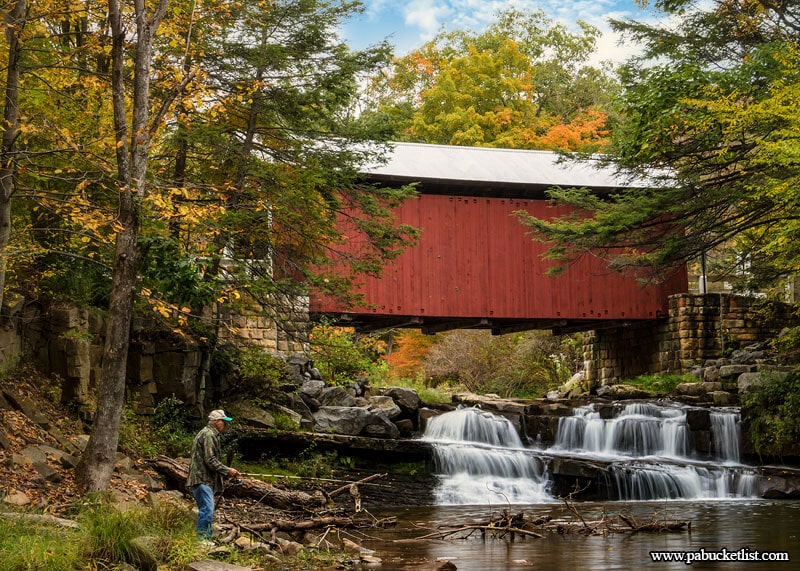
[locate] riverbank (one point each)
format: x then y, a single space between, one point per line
142 522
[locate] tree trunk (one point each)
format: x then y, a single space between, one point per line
132 158
101 450
14 23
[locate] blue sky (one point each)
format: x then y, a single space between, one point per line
410 23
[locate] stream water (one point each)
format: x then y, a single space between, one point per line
769 527
653 469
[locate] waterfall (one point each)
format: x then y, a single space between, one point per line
646 482
659 432
725 434
481 460
646 450
641 429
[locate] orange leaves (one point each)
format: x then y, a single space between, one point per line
409 350
587 132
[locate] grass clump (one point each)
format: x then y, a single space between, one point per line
29 546
660 384
107 536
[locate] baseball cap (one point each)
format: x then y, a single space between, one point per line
219 415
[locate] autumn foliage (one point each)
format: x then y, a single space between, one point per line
523 83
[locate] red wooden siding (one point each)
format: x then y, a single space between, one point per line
474 260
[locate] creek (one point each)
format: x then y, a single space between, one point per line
771 527
650 469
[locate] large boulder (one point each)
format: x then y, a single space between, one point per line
251 415
385 404
779 486
348 420
312 388
407 399
302 407
337 396
379 426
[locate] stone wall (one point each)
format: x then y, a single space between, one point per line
68 342
698 328
255 327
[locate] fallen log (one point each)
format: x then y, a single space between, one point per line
177 471
501 531
508 525
654 525
302 525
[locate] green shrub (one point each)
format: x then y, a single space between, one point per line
343 357
772 412
260 372
285 422
167 431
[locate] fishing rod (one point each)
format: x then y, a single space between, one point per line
258 475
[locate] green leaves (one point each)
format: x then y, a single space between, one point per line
522 83
708 108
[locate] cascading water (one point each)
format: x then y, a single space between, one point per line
481 460
726 434
647 450
652 454
641 429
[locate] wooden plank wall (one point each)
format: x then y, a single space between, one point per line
474 260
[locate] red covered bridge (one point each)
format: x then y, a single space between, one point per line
475 266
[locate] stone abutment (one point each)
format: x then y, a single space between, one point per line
698 328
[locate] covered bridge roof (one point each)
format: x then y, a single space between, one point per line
483 171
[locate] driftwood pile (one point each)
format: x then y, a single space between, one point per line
508 526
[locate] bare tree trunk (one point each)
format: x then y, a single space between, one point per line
14 23
132 158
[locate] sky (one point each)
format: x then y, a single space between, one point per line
407 24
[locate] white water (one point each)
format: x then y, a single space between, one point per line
481 460
648 447
640 429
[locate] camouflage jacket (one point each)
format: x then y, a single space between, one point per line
206 467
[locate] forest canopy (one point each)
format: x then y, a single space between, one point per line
708 113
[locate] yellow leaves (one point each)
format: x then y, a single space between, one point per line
166 310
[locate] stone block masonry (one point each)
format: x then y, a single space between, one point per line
698 328
67 341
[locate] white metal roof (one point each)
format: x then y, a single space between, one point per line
447 163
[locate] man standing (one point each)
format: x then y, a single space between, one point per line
206 471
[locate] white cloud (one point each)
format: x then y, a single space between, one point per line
409 24
427 16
